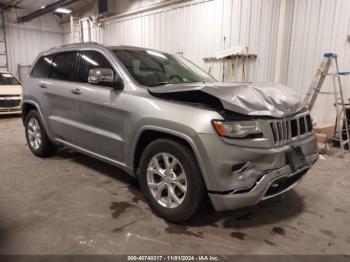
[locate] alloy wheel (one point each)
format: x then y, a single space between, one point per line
166 180
34 133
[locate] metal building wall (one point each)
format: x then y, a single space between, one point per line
318 27
66 33
3 55
201 29
25 41
122 6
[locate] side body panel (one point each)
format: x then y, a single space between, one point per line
60 108
91 120
99 120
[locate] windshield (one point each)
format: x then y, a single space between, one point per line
8 79
152 68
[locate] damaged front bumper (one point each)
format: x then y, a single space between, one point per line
271 184
237 176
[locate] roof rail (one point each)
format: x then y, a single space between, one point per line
94 43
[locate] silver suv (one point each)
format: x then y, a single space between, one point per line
161 118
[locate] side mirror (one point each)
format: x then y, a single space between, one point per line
104 76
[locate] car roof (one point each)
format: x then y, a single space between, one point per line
70 47
129 47
135 48
93 45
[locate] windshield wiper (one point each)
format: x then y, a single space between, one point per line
162 83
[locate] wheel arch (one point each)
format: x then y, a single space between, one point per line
26 108
29 105
150 134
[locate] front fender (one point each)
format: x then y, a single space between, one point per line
187 134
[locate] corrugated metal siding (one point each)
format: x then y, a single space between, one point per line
26 41
66 33
3 60
198 29
130 5
319 26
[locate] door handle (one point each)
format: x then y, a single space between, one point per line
43 85
76 91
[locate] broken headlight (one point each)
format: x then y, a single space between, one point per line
237 129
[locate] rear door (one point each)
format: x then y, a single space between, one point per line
99 110
60 106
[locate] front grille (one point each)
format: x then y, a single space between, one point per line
10 103
289 129
10 96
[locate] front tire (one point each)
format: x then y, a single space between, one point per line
171 180
36 136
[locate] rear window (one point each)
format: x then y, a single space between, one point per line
63 66
8 79
42 67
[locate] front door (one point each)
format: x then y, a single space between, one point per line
99 110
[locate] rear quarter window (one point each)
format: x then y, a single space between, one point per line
42 67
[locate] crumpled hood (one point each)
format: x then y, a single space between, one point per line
260 99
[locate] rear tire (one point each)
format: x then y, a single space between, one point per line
171 180
36 136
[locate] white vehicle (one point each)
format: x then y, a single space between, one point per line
10 94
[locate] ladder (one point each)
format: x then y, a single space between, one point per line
76 30
3 45
341 123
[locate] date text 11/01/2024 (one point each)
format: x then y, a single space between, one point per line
173 258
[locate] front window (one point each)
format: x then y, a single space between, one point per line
6 79
152 68
90 60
